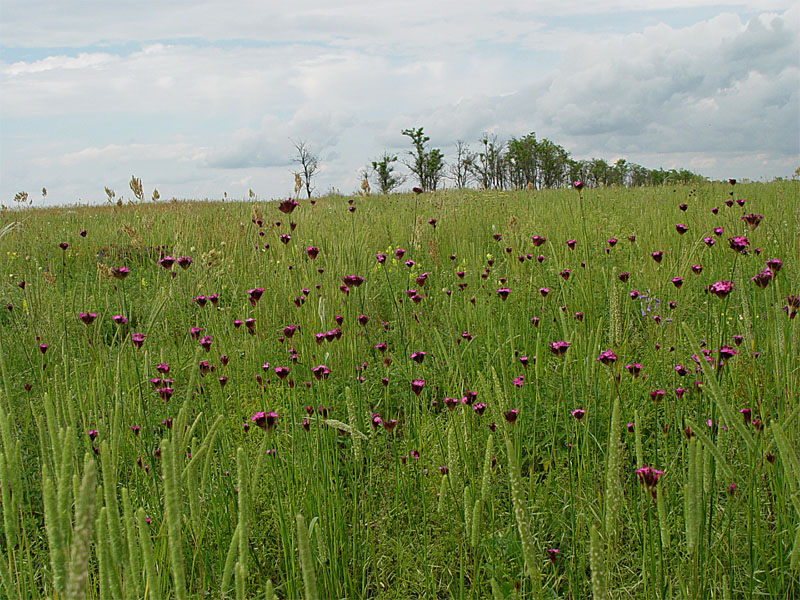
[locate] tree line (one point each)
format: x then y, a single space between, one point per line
525 162
519 163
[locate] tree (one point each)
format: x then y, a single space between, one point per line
309 164
384 174
491 164
426 165
462 169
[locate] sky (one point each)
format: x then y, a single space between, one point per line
203 98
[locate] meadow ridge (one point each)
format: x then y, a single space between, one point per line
587 392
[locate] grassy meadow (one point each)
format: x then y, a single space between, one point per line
553 394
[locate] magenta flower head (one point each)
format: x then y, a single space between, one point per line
87 318
677 281
721 289
432 223
417 190
63 245
709 241
119 319
762 279
503 293
633 369
697 269
363 319
681 228
195 332
138 339
320 372
281 372
538 240
43 348
285 238
399 253
287 206
657 255
511 415
565 274
418 357
738 243
571 244
552 554
558 348
752 220
774 264
311 252
205 342
657 395
120 272
607 357
648 477
184 262
417 385
578 413
578 185
353 280
265 420
255 294
612 242
380 257
167 262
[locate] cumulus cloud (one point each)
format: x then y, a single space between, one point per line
202 100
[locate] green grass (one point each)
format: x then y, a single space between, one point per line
223 502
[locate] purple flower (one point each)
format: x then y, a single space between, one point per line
752 220
281 372
571 244
762 279
648 477
119 319
120 272
633 369
721 289
138 339
538 240
578 185
657 395
184 262
87 318
774 264
285 238
657 255
418 357
255 294
607 357
166 262
287 206
511 415
681 228
353 280
697 269
519 381
578 413
677 281
738 243
265 420
311 252
320 372
503 293
558 348
417 385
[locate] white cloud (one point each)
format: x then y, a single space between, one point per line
200 113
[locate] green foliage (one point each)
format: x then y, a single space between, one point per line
171 496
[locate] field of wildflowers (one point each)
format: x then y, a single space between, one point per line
552 394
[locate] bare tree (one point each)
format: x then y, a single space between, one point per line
461 170
309 164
